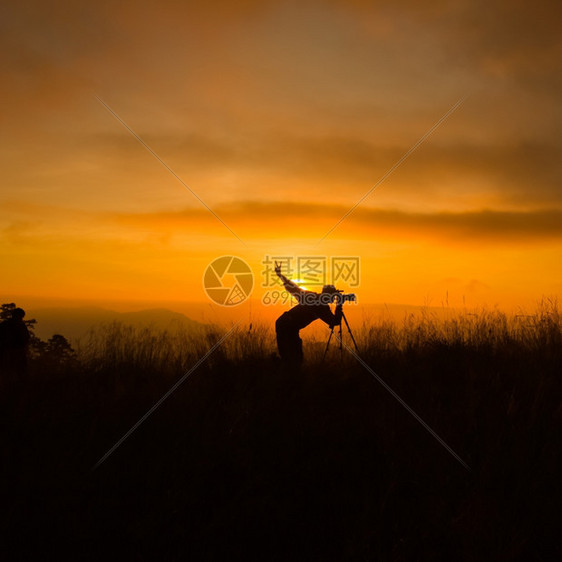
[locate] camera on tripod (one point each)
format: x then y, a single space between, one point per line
341 298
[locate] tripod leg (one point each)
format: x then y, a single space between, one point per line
350 332
341 343
327 345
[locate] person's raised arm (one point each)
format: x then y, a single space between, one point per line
291 287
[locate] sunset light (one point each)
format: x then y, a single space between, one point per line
281 280
279 124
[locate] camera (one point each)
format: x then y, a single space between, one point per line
343 297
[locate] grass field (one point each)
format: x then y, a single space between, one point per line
247 461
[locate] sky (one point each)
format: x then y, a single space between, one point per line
280 117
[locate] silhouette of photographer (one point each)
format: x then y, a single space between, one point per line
14 340
312 306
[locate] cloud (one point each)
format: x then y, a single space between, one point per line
251 96
517 174
516 32
259 220
287 219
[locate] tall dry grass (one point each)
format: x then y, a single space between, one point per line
115 346
248 461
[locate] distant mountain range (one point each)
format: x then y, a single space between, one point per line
74 323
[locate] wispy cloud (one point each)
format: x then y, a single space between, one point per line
463 227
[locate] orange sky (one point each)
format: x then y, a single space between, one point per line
281 116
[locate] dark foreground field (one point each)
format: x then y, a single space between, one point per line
245 461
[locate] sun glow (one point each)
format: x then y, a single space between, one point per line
280 138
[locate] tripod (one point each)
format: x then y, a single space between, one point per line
344 318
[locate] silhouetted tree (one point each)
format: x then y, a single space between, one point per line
36 345
6 313
59 351
14 344
53 354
